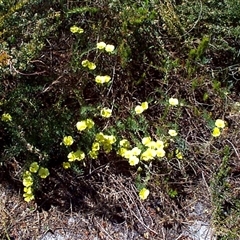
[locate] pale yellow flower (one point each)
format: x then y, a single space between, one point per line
138 109
90 123
122 151
143 194
173 101
75 29
101 45
133 160
68 140
91 66
66 165
109 48
102 79
179 154
172 133
95 146
146 140
216 132
144 105
160 152
220 123
136 151
34 167
159 144
85 63
6 117
106 112
82 125
43 172
79 155
124 143
28 197
149 154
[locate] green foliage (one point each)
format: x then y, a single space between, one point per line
226 209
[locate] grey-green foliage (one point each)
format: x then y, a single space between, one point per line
220 17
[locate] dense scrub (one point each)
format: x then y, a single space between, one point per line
147 90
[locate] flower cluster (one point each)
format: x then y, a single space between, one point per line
75 29
219 124
153 149
104 141
34 168
6 117
140 108
85 124
88 64
108 47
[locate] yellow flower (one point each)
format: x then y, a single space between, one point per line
27 181
146 141
109 48
85 63
136 151
172 133
95 146
149 154
219 123
138 109
68 141
27 190
71 157
151 144
143 194
179 155
159 144
89 123
93 154
144 105
28 197
122 151
6 117
173 101
216 132
79 155
102 79
91 65
27 174
124 143
43 172
75 29
82 125
107 148
100 137
110 139
66 165
160 152
101 45
106 112
127 154
34 167
133 160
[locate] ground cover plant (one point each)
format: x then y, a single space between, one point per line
141 97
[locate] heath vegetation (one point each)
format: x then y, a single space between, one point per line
146 91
